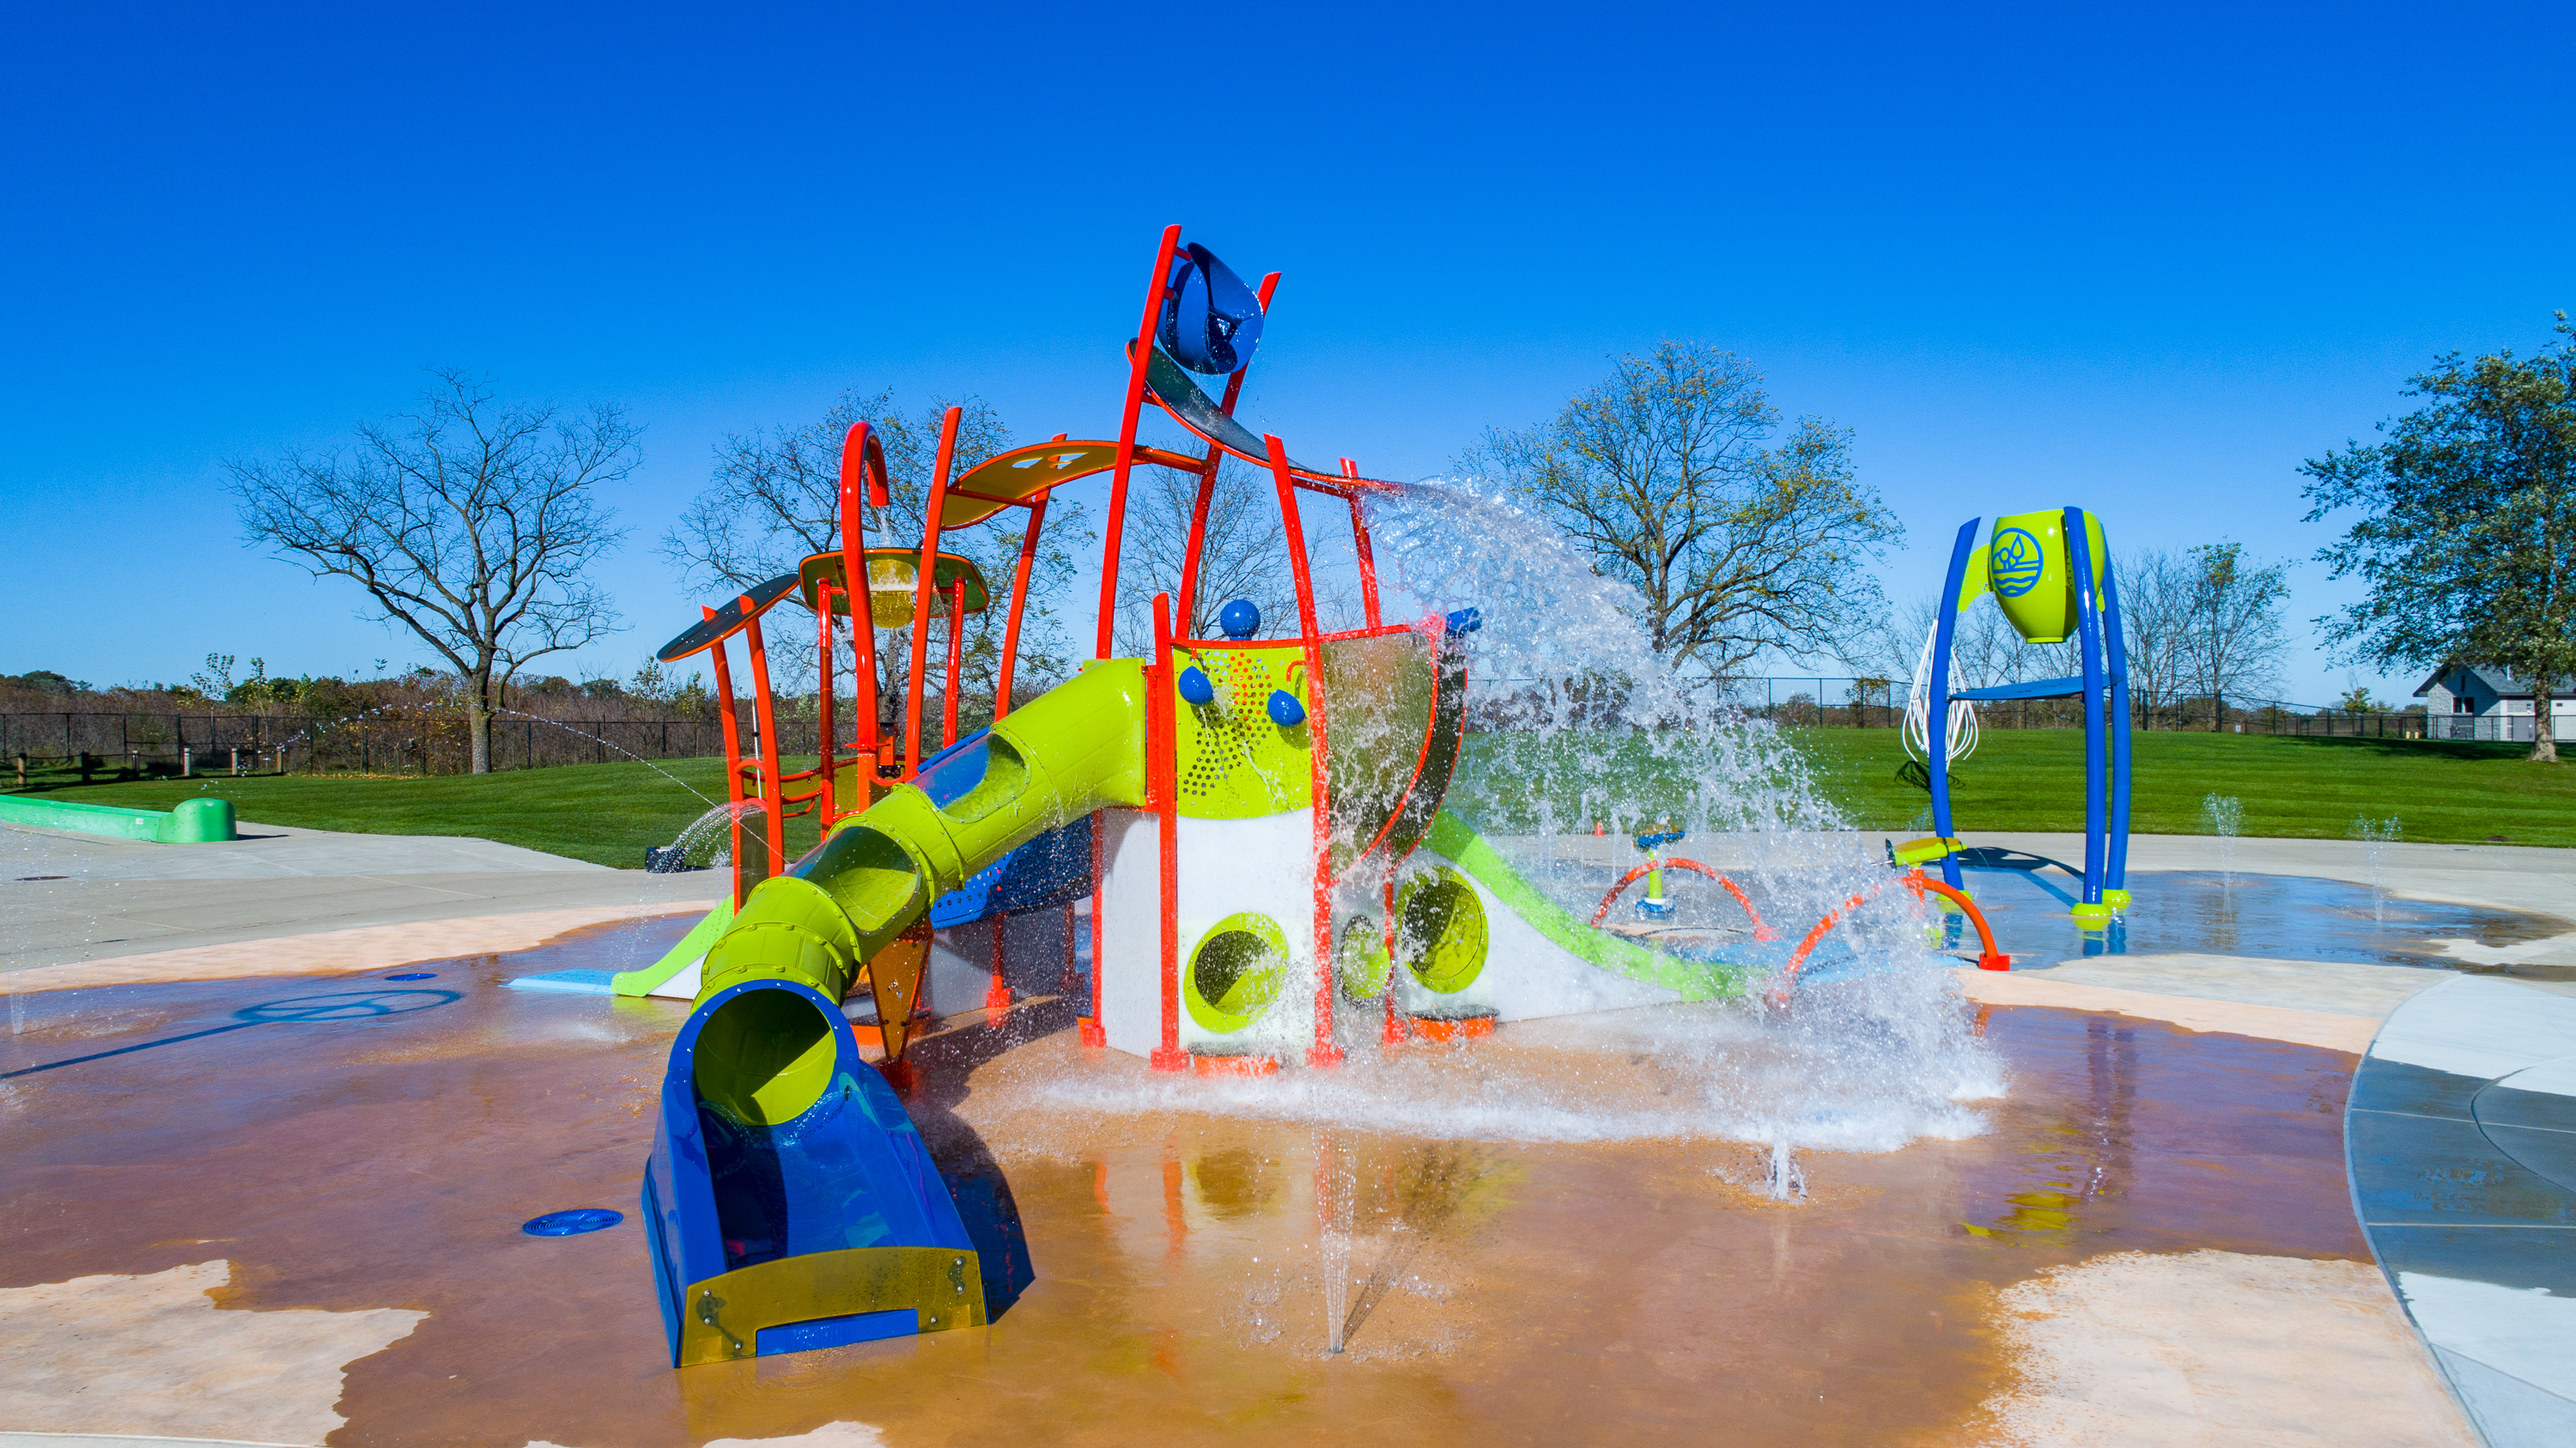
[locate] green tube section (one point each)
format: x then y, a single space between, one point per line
1074 749
1694 980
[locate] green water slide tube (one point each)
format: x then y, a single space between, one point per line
1076 748
1695 980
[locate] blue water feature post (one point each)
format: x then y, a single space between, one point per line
2115 645
1936 725
2088 633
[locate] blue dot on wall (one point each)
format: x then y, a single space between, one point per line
415 975
572 1223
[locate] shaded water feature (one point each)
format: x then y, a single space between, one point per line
1521 1288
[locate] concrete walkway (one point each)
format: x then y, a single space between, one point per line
2461 1144
68 898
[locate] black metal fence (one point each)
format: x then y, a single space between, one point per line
142 746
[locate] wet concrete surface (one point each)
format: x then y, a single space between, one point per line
352 1142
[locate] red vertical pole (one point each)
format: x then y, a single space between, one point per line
956 659
924 581
1323 1052
825 688
731 723
1185 608
1161 789
1127 442
1393 1032
1094 1035
862 485
1019 601
1360 545
765 717
997 996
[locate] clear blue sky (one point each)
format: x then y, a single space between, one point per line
2144 258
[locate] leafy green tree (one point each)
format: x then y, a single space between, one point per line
1666 473
2467 533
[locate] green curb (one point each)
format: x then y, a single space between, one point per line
195 821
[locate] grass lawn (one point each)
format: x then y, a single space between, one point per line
2033 779
2018 780
604 813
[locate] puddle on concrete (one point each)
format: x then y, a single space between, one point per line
2290 917
1191 1268
2184 911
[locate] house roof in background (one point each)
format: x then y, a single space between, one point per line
2502 684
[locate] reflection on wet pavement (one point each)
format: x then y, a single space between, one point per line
1192 1268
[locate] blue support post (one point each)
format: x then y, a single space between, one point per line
2115 644
2088 634
1936 730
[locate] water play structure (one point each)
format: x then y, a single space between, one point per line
1256 820
2051 587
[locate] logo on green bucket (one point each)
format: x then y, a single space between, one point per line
2016 563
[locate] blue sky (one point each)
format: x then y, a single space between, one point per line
2145 260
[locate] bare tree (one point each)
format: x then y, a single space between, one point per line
1661 472
2156 625
776 499
469 523
2236 637
1245 554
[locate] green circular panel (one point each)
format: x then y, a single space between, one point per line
1236 973
1361 959
1440 931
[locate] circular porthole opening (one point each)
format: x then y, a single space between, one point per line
1237 972
1440 931
1360 958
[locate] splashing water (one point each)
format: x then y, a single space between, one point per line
1783 1181
1335 1189
2375 835
605 744
707 842
1575 719
2223 815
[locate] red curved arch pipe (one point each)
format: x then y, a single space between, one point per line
1761 931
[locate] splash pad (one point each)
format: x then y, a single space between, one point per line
1262 826
1333 1128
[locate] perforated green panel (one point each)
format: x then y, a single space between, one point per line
1233 762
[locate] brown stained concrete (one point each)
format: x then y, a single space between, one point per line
1490 1292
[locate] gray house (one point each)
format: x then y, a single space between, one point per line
2478 703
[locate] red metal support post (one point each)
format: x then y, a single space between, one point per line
828 764
1136 364
1162 790
1186 606
731 723
1318 734
765 718
956 661
1360 546
1019 601
997 996
863 484
925 581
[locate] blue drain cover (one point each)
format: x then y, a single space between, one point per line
415 975
573 1223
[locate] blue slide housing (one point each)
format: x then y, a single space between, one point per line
828 1229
